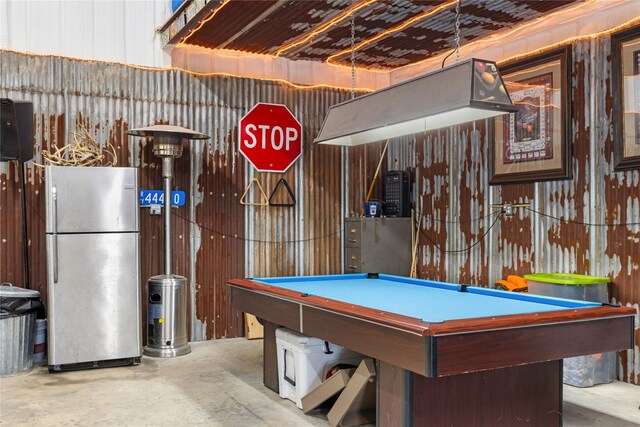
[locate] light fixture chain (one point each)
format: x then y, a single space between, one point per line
353 55
457 36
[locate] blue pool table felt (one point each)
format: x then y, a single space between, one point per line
427 300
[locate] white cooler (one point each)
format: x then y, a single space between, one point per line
303 363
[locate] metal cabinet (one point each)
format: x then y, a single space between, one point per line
378 245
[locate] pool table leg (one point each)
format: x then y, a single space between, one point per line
528 395
270 357
393 403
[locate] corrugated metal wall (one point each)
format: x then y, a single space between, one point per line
216 238
454 198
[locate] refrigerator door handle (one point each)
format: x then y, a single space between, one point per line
54 219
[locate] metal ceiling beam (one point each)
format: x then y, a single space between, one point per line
172 34
252 24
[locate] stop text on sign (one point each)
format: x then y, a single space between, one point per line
275 135
270 137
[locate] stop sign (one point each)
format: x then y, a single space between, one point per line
270 137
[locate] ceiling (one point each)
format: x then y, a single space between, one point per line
387 34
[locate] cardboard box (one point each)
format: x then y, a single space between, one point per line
357 402
253 330
325 391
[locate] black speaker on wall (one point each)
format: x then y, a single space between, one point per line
16 130
397 193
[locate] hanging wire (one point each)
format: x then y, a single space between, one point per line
456 37
337 232
353 53
468 221
468 248
587 224
499 215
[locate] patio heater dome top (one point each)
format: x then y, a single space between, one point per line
167 139
167 129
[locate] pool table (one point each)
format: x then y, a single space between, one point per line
447 354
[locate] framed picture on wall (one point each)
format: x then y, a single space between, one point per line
534 144
625 83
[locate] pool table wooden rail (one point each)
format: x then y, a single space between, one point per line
440 349
423 328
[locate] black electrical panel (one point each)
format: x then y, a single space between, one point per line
397 194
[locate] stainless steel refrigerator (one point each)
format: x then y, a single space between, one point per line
93 291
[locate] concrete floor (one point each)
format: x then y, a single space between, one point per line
218 384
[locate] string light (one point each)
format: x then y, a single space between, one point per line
330 60
283 81
227 52
230 52
193 73
204 21
440 56
403 25
537 105
532 70
431 12
570 40
324 27
523 85
501 35
535 21
395 29
632 22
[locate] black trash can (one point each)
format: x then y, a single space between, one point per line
19 309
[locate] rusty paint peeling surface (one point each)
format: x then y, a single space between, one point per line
586 225
211 234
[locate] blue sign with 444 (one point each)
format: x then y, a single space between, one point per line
156 197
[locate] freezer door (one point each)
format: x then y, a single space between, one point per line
94 305
91 199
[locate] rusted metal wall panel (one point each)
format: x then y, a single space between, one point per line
11 253
322 177
362 164
106 99
617 202
570 232
212 233
217 224
305 238
453 204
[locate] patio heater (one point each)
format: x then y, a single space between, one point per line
167 293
